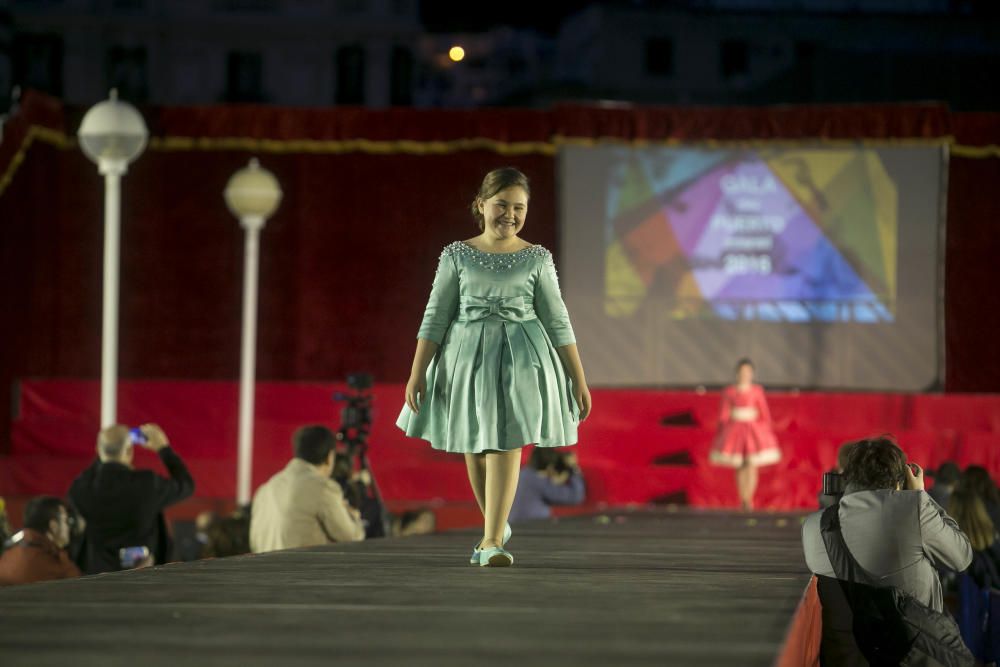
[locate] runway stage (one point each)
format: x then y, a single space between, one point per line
627 588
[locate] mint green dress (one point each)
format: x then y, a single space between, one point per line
496 382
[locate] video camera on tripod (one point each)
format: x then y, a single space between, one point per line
351 468
356 416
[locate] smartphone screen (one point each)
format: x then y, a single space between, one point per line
132 556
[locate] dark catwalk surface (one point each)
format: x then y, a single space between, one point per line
624 588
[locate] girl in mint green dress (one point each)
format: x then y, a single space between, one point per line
496 366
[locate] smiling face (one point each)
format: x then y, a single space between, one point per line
744 374
504 213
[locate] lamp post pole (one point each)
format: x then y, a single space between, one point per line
112 170
252 195
112 134
248 349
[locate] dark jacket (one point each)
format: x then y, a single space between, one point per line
35 558
124 508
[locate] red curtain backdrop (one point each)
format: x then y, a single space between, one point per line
628 454
370 199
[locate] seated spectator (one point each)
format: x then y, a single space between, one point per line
414 522
552 477
301 506
945 479
227 536
979 482
40 554
5 532
123 507
970 512
895 531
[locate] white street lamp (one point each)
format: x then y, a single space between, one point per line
252 194
112 134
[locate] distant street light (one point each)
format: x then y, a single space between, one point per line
456 53
112 134
252 194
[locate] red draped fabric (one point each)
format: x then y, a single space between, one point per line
370 198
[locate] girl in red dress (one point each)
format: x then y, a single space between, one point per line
745 439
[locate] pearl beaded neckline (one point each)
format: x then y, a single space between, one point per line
495 261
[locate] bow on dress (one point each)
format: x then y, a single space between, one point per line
512 308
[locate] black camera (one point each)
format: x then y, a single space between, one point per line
360 381
833 484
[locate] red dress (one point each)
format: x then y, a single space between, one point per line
744 430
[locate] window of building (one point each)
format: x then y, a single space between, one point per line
127 72
734 58
38 62
244 77
401 77
660 56
350 75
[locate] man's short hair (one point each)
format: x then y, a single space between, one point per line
42 510
313 444
875 463
113 442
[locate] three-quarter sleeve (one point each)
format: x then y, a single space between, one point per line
442 306
550 307
763 412
724 408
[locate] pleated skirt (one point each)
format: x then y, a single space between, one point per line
737 443
495 385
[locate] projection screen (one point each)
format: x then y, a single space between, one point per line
821 264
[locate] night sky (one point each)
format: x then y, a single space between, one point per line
450 16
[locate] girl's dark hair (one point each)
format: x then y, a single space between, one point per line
745 361
875 463
494 182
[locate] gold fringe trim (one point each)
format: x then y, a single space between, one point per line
61 141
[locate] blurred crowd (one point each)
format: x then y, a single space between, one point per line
112 517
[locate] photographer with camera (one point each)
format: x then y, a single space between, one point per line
301 506
875 554
552 477
123 507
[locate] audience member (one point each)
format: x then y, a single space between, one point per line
893 529
5 532
123 507
969 511
414 522
552 477
228 536
40 554
302 506
979 482
945 479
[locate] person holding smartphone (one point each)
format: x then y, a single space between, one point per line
123 507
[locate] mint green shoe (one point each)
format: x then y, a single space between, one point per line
475 550
495 557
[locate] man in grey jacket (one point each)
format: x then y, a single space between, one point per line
892 527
